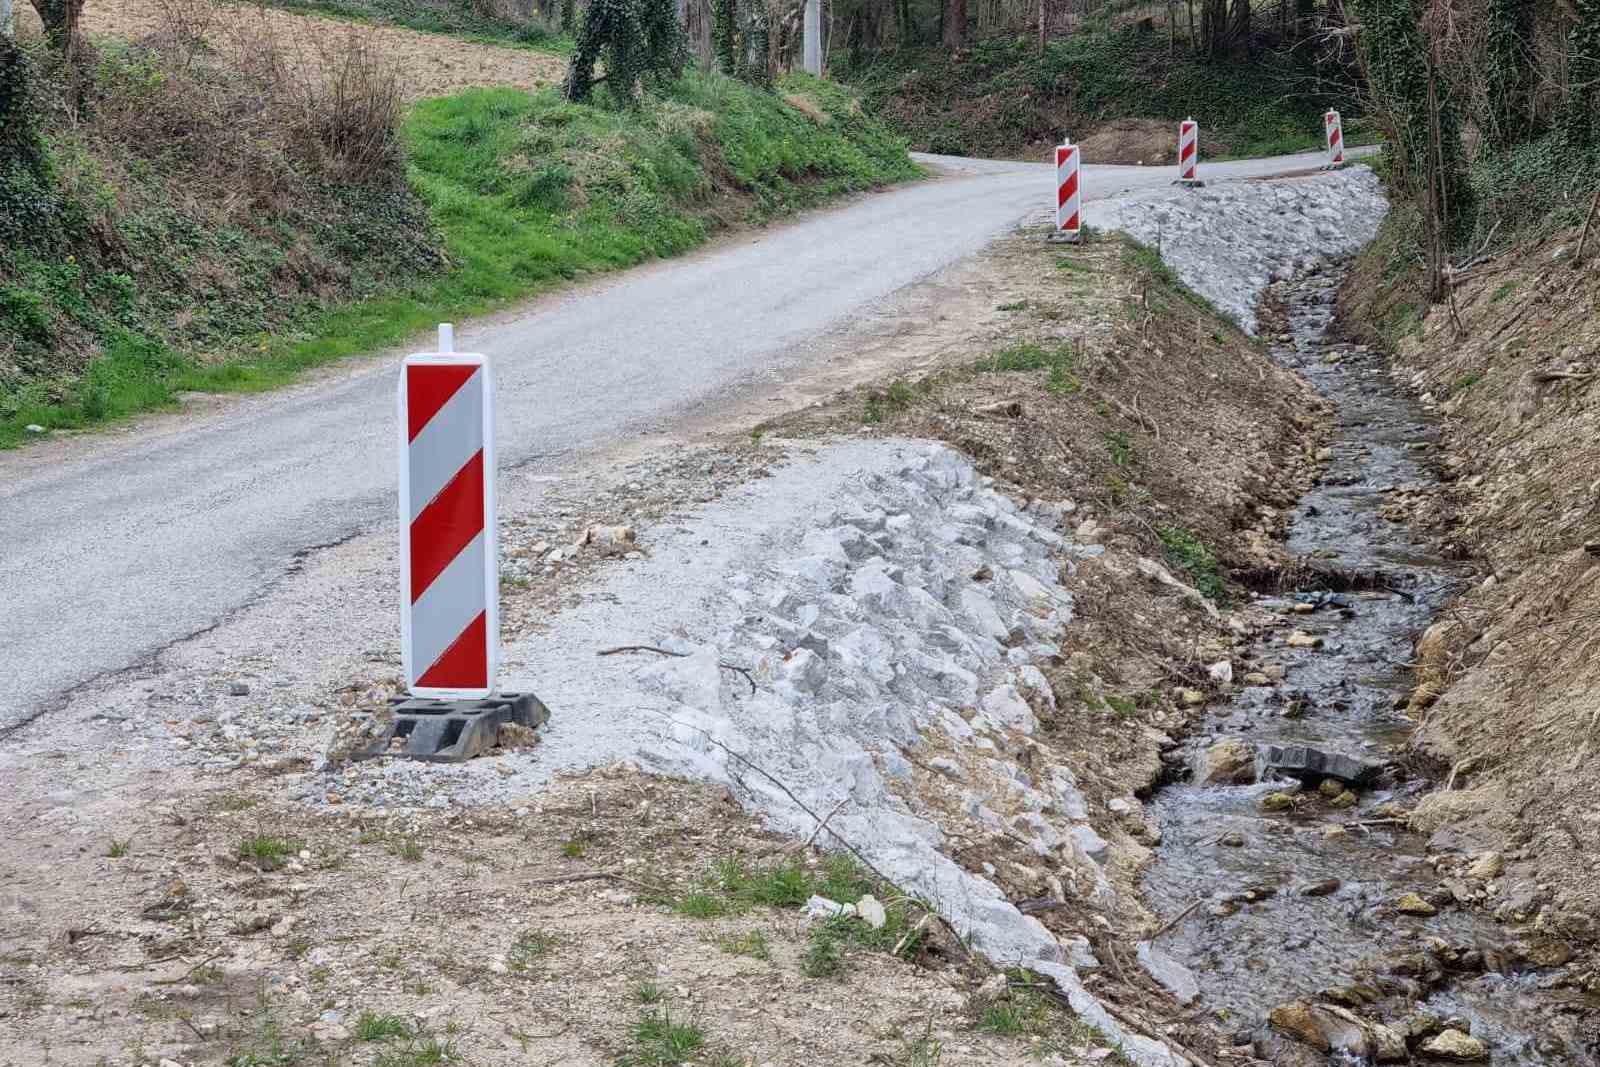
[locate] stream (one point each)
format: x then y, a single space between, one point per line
1299 904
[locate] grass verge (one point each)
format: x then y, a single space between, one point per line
526 192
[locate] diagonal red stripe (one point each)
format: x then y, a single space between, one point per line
1188 150
1068 190
429 388
1072 223
465 664
447 525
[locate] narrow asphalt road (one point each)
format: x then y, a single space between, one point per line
141 539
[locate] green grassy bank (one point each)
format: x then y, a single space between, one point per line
140 276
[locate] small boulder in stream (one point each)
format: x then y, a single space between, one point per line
1228 762
1312 764
1455 1046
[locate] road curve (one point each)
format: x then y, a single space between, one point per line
121 545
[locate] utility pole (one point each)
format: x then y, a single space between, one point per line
813 37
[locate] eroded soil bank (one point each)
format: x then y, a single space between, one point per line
1319 920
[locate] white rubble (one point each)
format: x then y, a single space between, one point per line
1229 240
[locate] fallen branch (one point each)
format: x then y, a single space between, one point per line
593 876
821 826
620 649
184 977
803 806
1176 919
1587 220
1010 408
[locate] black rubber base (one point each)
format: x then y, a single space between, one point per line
450 731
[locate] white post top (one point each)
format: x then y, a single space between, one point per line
447 338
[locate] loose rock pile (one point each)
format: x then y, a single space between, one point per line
1230 240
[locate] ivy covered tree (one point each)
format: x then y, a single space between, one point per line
1578 118
1507 70
641 42
29 205
724 13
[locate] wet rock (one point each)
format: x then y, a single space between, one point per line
1414 904
1277 802
1232 839
1345 799
1230 761
1307 763
1322 888
1418 1025
1350 996
1323 1027
1388 1044
1456 1046
1173 976
238 689
1330 787
1257 678
1486 866
1546 952
1191 697
1301 639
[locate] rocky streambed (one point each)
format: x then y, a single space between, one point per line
1317 921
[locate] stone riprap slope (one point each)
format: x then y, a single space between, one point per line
1229 240
890 606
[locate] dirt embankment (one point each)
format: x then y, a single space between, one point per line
1508 679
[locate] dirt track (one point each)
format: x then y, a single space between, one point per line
433 64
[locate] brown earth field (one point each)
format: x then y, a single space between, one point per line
1508 679
434 64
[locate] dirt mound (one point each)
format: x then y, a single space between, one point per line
1135 141
430 64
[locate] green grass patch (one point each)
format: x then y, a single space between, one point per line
700 905
1031 356
1119 445
525 192
426 1052
752 943
405 848
530 948
647 992
268 851
660 1042
370 1027
1196 559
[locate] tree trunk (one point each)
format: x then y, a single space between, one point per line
60 18
955 24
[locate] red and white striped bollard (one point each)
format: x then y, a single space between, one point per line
1334 128
1189 152
1069 203
449 565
